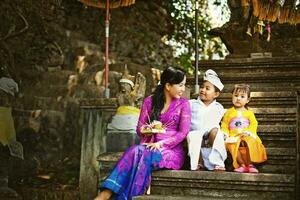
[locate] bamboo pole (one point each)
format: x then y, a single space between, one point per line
196 47
106 92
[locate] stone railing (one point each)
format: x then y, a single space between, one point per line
96 114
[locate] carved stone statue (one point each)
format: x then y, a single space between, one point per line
121 131
129 98
131 94
8 89
250 26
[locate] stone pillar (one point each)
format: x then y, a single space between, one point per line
95 120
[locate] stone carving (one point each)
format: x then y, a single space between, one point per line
121 131
80 64
129 100
130 93
245 34
7 129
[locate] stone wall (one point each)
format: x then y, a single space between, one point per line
284 39
41 44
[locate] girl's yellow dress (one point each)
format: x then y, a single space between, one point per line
242 126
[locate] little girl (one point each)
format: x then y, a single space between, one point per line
240 125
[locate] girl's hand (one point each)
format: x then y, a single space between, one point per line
244 134
225 136
154 146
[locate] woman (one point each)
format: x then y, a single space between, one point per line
132 174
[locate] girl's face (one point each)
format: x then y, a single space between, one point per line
176 90
208 93
240 99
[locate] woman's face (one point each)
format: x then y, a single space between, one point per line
176 90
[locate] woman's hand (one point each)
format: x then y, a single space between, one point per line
145 130
154 146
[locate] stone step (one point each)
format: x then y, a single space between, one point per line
264 99
236 67
53 90
272 136
252 64
51 103
57 77
280 160
170 197
258 76
31 119
277 78
26 113
7 193
106 163
262 75
102 103
223 184
263 86
66 192
271 116
79 91
60 104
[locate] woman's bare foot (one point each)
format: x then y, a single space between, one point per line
104 195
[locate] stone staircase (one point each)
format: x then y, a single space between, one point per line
43 125
274 83
50 123
223 185
273 74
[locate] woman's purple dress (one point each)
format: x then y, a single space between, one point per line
132 174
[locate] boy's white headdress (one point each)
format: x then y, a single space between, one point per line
212 77
125 80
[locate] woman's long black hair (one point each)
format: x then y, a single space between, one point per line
171 75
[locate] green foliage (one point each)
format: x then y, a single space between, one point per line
182 14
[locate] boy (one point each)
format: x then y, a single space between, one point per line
205 130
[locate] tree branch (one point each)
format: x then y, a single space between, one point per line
14 34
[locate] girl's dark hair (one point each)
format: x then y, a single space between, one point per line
171 75
244 88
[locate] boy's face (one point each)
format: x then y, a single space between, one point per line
208 92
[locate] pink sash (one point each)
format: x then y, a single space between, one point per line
238 122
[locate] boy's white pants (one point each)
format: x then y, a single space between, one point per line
213 157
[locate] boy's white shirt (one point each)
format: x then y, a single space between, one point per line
205 118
